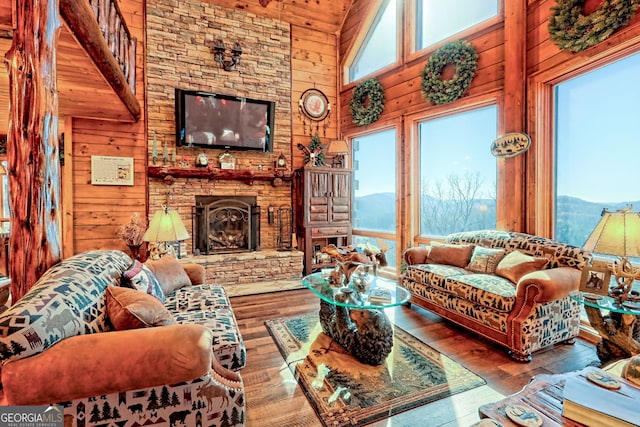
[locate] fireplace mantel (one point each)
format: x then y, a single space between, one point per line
169 174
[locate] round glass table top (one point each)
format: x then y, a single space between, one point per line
606 303
378 293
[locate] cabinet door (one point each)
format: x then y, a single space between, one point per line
340 200
317 186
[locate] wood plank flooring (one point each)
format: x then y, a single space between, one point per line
274 398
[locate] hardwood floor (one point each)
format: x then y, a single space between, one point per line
274 399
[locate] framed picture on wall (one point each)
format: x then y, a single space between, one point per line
595 280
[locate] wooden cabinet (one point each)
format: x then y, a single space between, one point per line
323 211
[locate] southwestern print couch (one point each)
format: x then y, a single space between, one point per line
509 287
120 343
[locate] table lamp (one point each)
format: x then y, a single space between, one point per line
339 149
166 226
618 233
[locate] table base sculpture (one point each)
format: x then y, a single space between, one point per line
620 334
367 334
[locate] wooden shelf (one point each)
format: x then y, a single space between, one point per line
169 174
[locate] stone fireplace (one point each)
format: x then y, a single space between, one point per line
225 224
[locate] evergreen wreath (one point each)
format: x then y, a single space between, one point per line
367 102
460 53
571 30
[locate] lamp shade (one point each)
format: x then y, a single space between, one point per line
338 146
617 233
165 226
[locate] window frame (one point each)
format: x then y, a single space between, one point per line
382 127
363 37
412 160
411 18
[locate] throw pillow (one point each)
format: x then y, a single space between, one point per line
131 309
169 273
516 264
450 254
485 260
138 276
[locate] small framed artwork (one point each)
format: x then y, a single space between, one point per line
595 280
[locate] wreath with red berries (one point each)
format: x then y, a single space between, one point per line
570 29
464 56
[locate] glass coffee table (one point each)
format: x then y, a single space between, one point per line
353 315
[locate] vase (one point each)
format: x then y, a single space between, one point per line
135 251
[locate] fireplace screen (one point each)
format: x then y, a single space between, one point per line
225 224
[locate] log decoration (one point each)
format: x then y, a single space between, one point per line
571 26
464 57
32 148
367 102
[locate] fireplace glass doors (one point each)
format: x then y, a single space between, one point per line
223 224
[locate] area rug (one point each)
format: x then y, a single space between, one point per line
345 392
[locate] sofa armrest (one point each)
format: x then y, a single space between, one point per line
107 362
416 255
549 285
196 272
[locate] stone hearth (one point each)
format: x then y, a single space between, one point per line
250 267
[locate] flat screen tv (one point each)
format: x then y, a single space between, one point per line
212 120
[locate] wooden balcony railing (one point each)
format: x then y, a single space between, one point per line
115 52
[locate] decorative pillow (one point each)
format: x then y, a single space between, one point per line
139 276
131 309
169 273
450 254
516 264
485 260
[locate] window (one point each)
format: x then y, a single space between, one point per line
596 145
438 20
379 48
374 198
458 172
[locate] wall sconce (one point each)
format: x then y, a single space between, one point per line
219 55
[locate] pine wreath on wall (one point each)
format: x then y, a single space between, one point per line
573 30
367 102
465 58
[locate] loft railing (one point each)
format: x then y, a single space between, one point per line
115 31
114 53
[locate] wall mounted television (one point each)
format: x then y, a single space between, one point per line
211 120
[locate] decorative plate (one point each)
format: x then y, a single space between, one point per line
604 379
314 104
523 416
510 145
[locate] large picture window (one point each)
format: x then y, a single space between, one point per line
597 148
458 172
374 201
438 20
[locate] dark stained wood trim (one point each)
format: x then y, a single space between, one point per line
81 20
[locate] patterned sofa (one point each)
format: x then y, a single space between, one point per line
509 287
67 342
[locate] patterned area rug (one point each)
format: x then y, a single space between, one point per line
345 392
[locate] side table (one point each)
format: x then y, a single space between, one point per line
618 326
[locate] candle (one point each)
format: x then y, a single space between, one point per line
173 157
165 155
154 149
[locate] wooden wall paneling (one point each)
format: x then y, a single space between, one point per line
313 65
67 189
